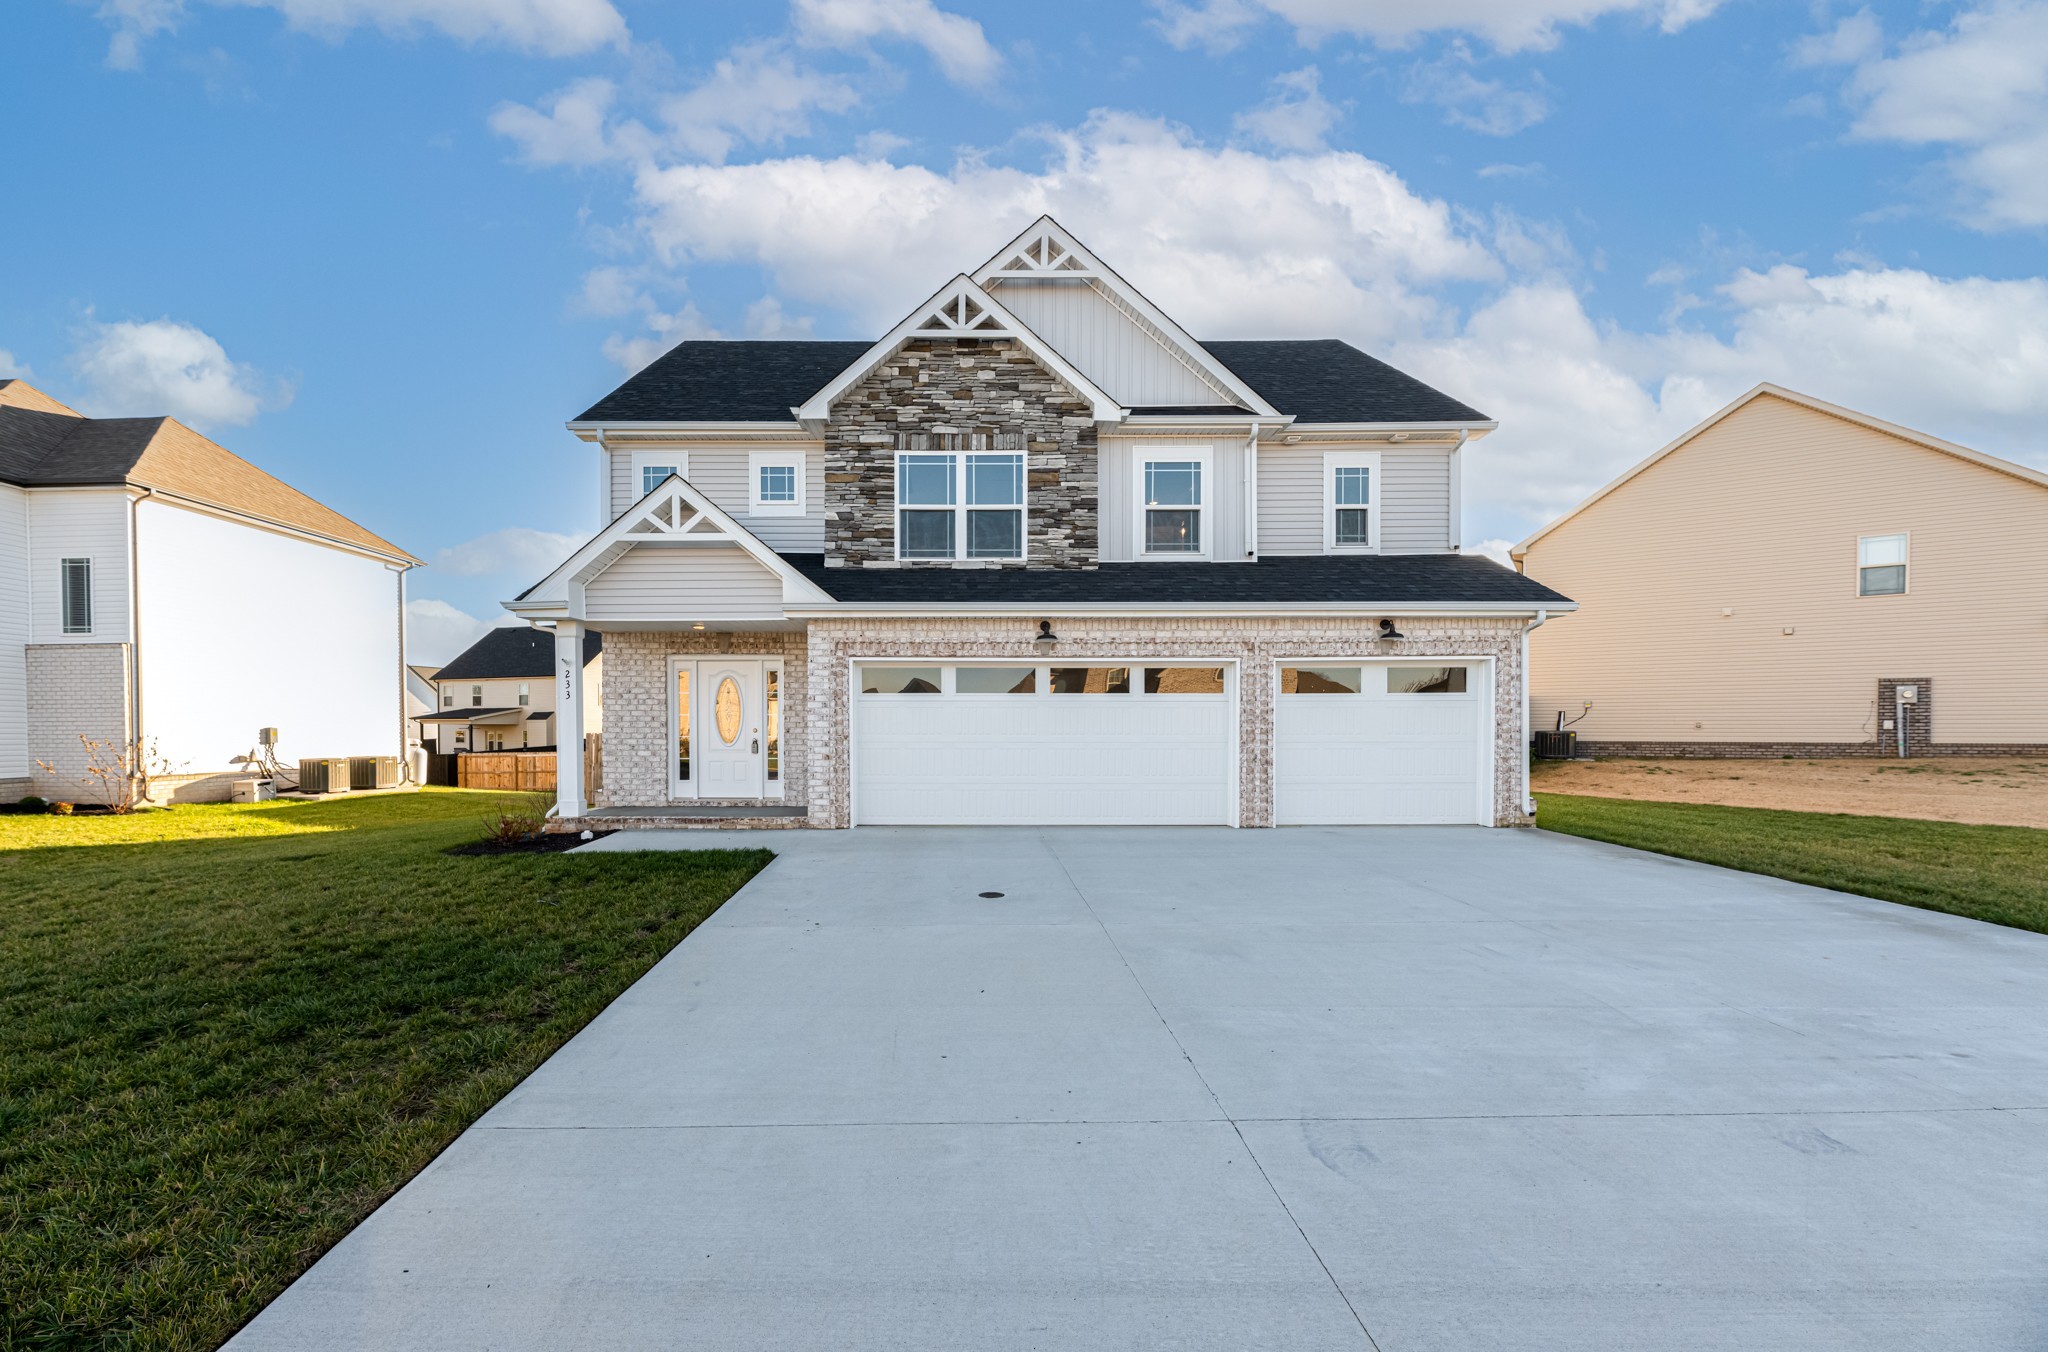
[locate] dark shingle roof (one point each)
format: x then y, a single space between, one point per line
509 652
713 381
1349 579
465 714
1317 380
39 448
1324 380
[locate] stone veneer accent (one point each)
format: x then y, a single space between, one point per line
944 394
73 689
1257 643
635 718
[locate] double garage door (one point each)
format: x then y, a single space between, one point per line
1355 742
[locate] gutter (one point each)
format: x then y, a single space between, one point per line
1528 798
138 767
1497 610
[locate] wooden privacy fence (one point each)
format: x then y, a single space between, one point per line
526 771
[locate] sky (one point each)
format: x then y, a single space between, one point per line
386 248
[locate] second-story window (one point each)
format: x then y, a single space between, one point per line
652 468
525 693
1351 481
959 505
778 488
448 700
1173 489
77 596
476 695
1881 565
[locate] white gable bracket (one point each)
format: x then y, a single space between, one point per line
960 310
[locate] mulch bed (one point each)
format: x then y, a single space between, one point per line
554 842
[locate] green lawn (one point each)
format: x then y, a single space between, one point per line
228 1033
1995 873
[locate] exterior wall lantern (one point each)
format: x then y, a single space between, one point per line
1387 630
1046 641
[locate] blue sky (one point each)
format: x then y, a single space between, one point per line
385 248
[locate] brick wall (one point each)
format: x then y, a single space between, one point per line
1257 645
948 394
635 719
73 689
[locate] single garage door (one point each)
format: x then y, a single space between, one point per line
990 745
1374 743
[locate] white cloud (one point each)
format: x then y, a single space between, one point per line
519 550
955 43
1533 169
1297 117
574 127
436 632
1486 106
548 27
1505 25
1496 549
1979 86
159 366
12 368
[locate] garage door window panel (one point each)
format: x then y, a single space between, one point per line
1184 680
996 680
1321 680
1091 680
1425 680
900 680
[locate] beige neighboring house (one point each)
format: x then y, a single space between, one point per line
1791 577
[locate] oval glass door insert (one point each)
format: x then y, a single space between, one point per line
726 709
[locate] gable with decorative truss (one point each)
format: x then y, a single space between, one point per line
1105 326
675 518
961 309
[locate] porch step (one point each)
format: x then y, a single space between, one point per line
752 816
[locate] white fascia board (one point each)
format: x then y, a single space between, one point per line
818 407
144 493
1128 610
597 431
1097 271
1473 431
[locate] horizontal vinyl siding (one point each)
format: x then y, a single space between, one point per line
1760 516
1290 499
1118 493
1105 345
79 523
14 633
1415 502
683 582
720 473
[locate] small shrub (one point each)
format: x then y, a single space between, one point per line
34 804
61 809
513 823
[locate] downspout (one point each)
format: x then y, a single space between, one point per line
604 481
404 749
1528 798
137 766
1457 522
1251 493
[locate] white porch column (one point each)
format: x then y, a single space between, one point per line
569 799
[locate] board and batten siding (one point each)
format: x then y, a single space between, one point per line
683 582
78 523
15 762
1718 591
244 628
1129 364
720 473
1414 498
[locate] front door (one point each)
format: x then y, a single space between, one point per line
729 717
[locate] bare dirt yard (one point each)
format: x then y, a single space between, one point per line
2003 792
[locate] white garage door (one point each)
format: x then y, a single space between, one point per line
985 745
1381 743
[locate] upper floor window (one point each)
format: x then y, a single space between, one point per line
778 483
1881 565
476 695
77 574
651 468
1173 488
1350 500
525 693
959 505
448 700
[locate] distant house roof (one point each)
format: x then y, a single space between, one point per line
511 653
43 444
425 673
1343 579
1317 380
465 715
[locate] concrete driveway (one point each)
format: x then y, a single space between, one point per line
1306 1089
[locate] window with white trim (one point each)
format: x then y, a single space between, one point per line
777 483
652 468
77 588
476 696
1351 508
525 694
1173 502
1881 565
959 505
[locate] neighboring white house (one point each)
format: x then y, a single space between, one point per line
1038 556
163 596
499 693
420 700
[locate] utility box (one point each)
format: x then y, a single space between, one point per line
373 772
323 776
252 791
1557 745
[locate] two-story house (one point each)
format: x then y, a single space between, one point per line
1039 556
163 601
498 694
